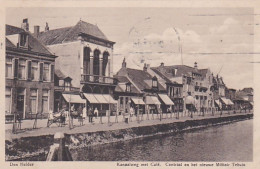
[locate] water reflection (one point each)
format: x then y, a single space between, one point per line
231 142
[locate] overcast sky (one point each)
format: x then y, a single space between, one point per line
217 38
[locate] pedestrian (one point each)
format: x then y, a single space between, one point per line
84 115
96 112
131 111
90 114
80 118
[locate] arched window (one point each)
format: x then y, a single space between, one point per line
105 62
96 62
86 60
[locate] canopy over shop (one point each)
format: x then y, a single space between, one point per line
102 102
153 104
73 100
190 103
166 102
226 103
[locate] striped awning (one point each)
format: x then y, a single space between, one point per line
189 100
137 100
152 100
91 98
109 99
72 98
166 99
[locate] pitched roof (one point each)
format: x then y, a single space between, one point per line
59 74
180 70
123 79
33 43
69 34
140 77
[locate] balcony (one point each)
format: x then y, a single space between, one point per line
86 78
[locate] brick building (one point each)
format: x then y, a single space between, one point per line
29 73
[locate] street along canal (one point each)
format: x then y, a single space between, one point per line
229 142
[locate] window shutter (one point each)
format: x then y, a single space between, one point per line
15 67
29 69
52 73
40 71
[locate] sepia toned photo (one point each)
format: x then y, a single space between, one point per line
129 84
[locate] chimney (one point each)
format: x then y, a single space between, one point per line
145 68
36 30
25 24
195 65
162 64
124 63
47 27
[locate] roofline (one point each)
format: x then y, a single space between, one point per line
30 52
81 33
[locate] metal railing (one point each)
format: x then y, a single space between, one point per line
97 79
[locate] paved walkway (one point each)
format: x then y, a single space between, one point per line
42 129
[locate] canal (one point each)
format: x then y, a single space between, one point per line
229 142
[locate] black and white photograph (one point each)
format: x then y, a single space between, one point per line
129 85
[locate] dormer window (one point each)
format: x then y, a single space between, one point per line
23 41
67 85
154 82
128 87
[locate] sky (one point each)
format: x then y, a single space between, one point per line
217 38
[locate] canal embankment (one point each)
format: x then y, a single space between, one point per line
36 148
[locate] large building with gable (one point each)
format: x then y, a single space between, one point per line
85 55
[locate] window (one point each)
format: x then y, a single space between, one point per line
121 101
128 87
21 71
188 80
29 69
40 72
52 73
45 102
154 82
33 101
8 100
46 72
61 82
67 85
23 40
34 74
8 68
15 67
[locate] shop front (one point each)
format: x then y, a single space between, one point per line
166 103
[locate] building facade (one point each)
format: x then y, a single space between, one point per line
85 55
29 74
154 96
191 88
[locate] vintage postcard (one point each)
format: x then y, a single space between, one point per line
129 84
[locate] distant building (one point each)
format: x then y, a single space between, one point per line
63 90
230 93
127 95
85 55
29 73
244 99
188 87
153 93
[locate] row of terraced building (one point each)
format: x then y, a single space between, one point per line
51 70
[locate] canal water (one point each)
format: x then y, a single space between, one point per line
229 142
